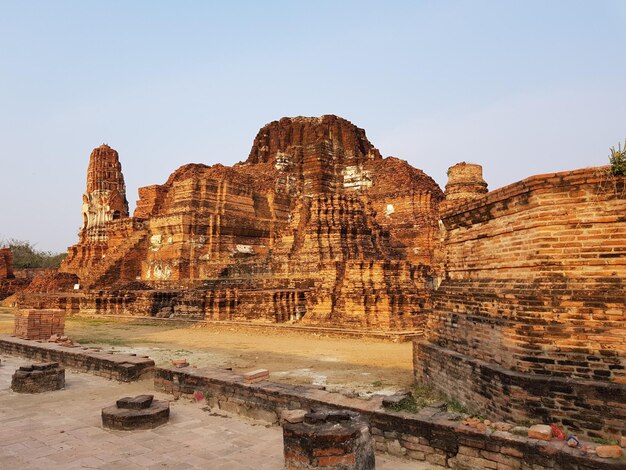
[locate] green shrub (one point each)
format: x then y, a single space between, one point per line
26 256
618 160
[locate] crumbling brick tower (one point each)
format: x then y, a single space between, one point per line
105 198
6 263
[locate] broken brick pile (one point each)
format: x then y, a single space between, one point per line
37 378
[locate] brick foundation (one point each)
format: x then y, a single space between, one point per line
122 367
580 406
140 412
530 322
430 436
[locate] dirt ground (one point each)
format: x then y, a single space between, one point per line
352 366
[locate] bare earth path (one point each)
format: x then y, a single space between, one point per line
350 365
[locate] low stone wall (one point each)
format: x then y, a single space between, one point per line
505 394
430 435
122 367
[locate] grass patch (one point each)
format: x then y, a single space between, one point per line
107 341
422 397
605 442
457 407
88 321
425 396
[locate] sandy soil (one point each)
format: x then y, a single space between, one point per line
352 366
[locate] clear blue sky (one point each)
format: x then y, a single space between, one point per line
521 87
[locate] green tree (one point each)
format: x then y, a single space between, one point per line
25 255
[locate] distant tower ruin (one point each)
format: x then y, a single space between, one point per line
6 264
105 198
465 182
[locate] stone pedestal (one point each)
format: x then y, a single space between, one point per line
140 412
329 440
37 378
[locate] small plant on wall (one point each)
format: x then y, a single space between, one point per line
618 160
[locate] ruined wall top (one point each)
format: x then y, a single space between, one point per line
289 138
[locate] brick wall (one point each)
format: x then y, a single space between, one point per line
427 436
122 367
535 275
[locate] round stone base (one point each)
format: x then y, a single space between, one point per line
128 419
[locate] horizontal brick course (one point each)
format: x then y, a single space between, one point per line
122 367
535 286
434 438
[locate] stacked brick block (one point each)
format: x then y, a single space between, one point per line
39 324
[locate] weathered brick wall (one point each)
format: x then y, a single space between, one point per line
427 436
535 275
122 367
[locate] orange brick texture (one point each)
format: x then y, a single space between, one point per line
316 226
39 324
530 322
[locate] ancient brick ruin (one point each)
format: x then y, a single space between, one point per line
516 295
331 440
139 412
6 263
530 321
314 227
9 282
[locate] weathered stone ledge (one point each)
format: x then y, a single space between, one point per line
122 367
430 435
